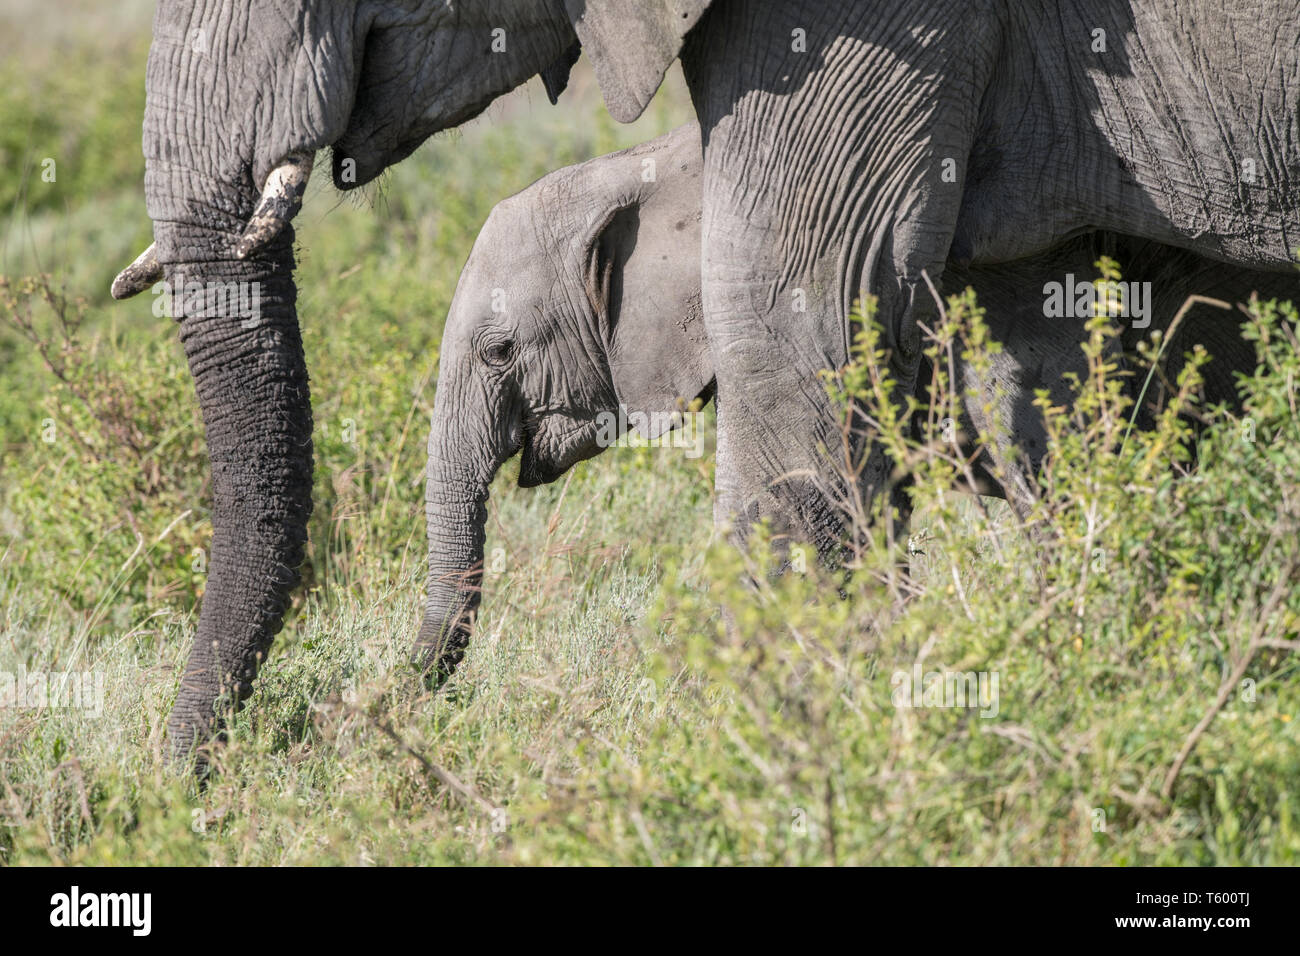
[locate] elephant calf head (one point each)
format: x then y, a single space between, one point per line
579 305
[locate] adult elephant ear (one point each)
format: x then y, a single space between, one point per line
631 44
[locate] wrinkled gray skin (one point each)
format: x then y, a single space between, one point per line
1038 352
826 126
824 171
582 293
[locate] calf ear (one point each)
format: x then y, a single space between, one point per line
631 44
643 281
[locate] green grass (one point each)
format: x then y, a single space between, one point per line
604 713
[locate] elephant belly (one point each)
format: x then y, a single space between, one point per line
1177 125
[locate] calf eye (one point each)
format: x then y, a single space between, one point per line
497 353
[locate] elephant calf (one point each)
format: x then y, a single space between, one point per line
581 294
581 301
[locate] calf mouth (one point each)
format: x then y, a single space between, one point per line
543 458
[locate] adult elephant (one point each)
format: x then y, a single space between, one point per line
857 146
848 146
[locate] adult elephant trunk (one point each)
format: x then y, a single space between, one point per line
235 302
239 328
465 452
226 251
231 125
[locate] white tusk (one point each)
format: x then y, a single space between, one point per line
138 276
280 202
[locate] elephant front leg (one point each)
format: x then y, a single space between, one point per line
836 140
777 430
788 453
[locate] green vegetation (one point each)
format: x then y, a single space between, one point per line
604 712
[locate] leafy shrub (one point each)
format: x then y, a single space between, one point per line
1142 641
